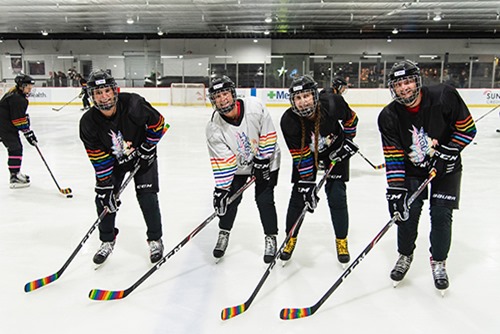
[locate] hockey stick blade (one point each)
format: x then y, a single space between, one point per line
231 312
381 166
104 295
296 313
36 284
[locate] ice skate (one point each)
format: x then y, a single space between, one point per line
439 274
18 180
103 252
270 248
342 252
401 268
286 254
220 247
155 250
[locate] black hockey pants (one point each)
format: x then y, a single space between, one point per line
264 197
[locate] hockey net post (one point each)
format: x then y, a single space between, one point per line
187 94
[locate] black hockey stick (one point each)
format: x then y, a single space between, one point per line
486 114
231 312
65 191
59 109
295 313
381 166
97 294
36 284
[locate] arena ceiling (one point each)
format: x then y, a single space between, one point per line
311 19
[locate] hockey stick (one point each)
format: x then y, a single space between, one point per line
231 312
371 164
65 191
295 313
97 294
486 114
59 109
36 284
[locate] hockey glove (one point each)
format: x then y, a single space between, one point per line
308 190
107 198
146 154
444 160
221 197
345 151
398 206
260 169
30 137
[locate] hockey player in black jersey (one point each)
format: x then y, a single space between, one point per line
120 131
318 127
14 119
423 128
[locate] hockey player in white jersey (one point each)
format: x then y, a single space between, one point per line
242 142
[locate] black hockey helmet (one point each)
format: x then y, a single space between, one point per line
222 84
101 79
22 80
405 70
339 84
304 84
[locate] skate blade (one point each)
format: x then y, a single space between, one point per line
442 292
19 185
395 283
284 262
218 259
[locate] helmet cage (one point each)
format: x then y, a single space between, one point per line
220 85
415 93
98 83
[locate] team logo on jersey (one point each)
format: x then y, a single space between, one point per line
245 149
120 147
323 142
421 147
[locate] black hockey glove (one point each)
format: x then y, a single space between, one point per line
345 151
30 137
107 198
398 206
444 160
308 190
260 169
221 197
146 154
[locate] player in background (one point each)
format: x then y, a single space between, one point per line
119 132
339 85
84 93
318 127
242 142
14 119
423 128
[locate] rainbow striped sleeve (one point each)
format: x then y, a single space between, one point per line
465 131
267 144
103 164
394 165
350 126
154 132
305 164
224 170
21 123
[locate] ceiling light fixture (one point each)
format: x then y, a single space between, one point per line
395 31
44 32
267 32
389 40
268 19
130 20
125 40
160 32
256 40
437 17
